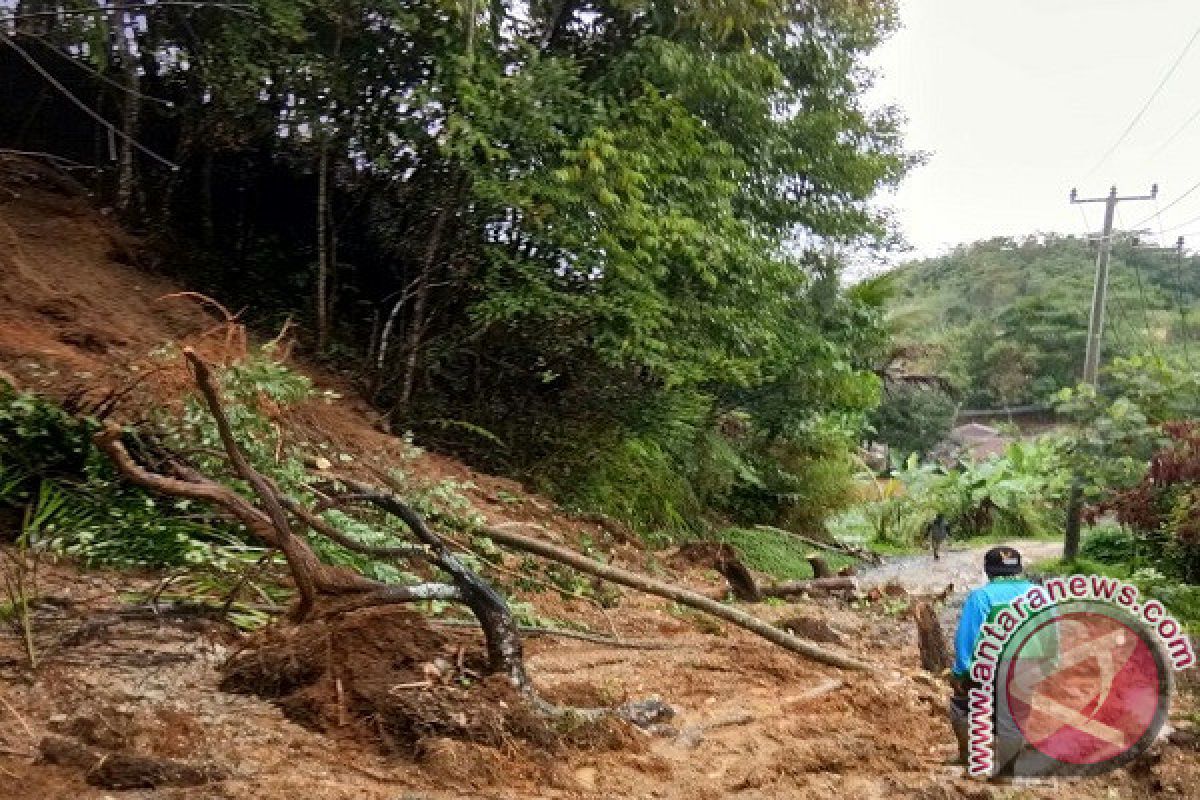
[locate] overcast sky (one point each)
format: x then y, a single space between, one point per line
1017 101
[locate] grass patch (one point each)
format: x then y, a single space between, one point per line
777 554
895 548
1080 566
1181 599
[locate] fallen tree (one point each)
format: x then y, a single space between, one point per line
793 588
276 517
644 583
270 524
746 589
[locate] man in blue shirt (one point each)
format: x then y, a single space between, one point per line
1005 583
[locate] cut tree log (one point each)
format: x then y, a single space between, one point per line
644 583
931 641
744 587
793 588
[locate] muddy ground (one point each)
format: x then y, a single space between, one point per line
752 721
81 306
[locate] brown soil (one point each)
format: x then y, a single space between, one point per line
752 721
387 676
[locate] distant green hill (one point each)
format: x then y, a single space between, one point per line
1005 320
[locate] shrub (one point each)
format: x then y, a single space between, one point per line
1109 544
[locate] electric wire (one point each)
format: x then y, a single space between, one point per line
1179 131
1190 190
1191 221
82 106
100 76
1145 106
1147 328
1184 333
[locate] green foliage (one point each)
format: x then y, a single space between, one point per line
912 419
47 455
1080 566
1181 599
590 241
1134 445
1017 494
1109 544
777 554
1006 318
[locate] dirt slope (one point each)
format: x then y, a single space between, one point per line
70 297
753 721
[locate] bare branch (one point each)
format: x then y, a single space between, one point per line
265 491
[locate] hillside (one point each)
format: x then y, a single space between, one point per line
1006 320
123 677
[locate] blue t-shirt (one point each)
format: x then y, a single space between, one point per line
982 606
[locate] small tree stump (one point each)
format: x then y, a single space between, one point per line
740 580
935 655
820 566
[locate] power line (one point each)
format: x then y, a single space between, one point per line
1137 272
1146 106
82 106
1181 225
1171 205
1171 139
1183 319
1087 227
95 72
1147 337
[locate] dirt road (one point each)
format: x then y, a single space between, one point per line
961 566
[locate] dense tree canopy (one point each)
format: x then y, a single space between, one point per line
1006 319
577 239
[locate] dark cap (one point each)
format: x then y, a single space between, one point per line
1002 561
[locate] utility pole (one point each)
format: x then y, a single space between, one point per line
1091 358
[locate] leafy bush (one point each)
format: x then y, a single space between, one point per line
1161 507
1181 599
639 482
98 517
1109 544
1017 494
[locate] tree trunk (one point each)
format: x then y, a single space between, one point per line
323 269
1074 519
820 566
416 325
130 106
644 583
206 198
791 588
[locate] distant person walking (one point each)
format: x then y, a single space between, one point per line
938 532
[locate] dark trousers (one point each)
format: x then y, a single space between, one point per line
1008 743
